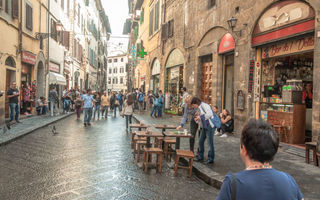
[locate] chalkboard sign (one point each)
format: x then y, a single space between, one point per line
240 100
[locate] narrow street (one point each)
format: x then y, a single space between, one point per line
87 163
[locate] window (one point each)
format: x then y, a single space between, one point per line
115 60
115 70
116 80
154 18
68 8
151 22
142 16
110 61
29 24
121 80
113 81
121 70
121 59
110 71
170 28
211 3
109 80
53 30
62 4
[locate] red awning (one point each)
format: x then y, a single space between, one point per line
226 44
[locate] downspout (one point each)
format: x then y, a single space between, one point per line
20 31
48 40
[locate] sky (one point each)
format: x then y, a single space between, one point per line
117 11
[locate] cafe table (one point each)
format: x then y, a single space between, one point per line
148 135
177 135
163 127
138 126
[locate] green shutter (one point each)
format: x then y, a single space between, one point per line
142 16
151 22
156 20
87 2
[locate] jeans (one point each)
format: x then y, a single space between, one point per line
78 110
42 110
115 110
207 133
128 120
105 111
97 108
66 105
159 111
154 111
120 106
52 107
14 108
87 115
193 131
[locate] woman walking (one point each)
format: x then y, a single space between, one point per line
26 94
78 105
128 110
97 98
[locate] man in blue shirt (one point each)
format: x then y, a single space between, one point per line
87 106
259 181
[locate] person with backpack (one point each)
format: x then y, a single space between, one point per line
120 99
140 100
155 106
189 111
128 110
226 124
205 115
160 104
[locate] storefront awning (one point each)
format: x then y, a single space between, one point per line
227 44
58 79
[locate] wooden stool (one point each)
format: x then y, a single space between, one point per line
158 142
283 132
132 139
135 139
313 147
184 154
140 144
168 147
147 156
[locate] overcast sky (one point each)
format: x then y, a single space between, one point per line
117 11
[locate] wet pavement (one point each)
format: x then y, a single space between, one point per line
87 163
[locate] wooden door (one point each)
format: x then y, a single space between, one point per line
8 81
206 82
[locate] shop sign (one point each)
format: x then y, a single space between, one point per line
28 57
289 47
54 67
251 76
143 77
257 82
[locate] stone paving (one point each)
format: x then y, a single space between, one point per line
87 163
227 159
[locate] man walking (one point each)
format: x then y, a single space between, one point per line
13 94
53 98
105 103
87 107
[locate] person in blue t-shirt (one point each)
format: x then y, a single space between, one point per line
88 101
259 181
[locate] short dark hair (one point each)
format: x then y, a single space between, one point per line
260 140
196 100
88 90
184 89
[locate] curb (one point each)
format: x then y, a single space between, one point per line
202 171
34 129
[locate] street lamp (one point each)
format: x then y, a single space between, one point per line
232 23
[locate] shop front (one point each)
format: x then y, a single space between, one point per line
284 70
174 82
155 76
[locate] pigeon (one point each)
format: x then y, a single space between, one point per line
53 129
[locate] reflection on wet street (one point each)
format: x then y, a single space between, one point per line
87 163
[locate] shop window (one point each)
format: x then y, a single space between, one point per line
10 62
29 24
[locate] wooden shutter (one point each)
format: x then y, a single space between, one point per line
15 8
1 4
66 41
170 28
29 17
164 32
156 19
151 18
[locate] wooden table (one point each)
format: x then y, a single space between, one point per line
164 127
148 136
177 136
138 126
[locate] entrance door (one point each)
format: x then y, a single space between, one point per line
229 84
10 76
206 79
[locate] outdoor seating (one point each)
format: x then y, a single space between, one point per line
140 144
168 150
147 158
135 140
313 147
184 154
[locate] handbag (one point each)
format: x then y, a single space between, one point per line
116 102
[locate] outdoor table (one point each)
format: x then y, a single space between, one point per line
164 127
148 135
177 136
138 126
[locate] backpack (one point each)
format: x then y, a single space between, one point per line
156 101
140 97
160 100
215 119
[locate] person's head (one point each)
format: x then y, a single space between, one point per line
195 102
259 142
105 93
160 92
215 109
225 112
130 99
183 90
188 100
41 98
309 87
89 91
14 85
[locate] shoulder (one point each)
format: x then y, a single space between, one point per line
226 188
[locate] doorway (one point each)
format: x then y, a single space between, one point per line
206 79
10 77
228 97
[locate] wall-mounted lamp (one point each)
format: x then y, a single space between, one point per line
232 23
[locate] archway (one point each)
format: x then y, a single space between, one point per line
155 75
174 81
10 77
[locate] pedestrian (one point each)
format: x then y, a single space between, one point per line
13 94
189 111
41 106
150 100
87 106
26 99
120 99
128 110
97 104
155 101
226 124
160 103
205 113
259 143
53 99
67 102
184 95
78 105
112 100
140 100
105 104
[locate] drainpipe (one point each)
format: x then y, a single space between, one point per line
48 47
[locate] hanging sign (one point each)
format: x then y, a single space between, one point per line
28 57
251 76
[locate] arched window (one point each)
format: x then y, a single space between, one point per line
10 62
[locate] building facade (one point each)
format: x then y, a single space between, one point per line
117 73
229 52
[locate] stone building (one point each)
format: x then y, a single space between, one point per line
117 73
229 52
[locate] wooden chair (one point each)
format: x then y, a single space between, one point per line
168 150
313 147
147 158
140 144
184 154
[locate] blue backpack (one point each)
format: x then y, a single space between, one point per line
140 97
160 101
215 119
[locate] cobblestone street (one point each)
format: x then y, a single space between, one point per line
87 163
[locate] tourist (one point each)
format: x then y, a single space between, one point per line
128 110
41 106
13 94
160 103
87 106
259 143
97 103
226 124
154 112
105 104
140 100
53 99
78 105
